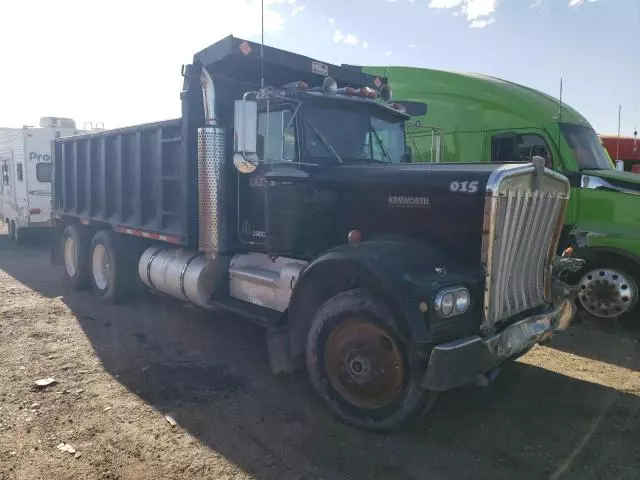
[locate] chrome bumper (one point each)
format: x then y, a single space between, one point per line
460 362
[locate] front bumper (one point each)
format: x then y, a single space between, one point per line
460 362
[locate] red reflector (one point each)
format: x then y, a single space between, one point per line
367 92
34 211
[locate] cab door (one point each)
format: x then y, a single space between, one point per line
276 145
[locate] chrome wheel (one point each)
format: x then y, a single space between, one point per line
70 257
608 293
100 267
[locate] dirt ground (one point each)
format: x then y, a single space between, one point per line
567 410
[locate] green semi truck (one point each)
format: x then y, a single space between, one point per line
473 117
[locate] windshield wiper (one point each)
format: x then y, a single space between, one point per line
380 144
324 141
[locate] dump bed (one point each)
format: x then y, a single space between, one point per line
132 178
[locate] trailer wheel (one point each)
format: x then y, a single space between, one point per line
110 268
76 256
361 367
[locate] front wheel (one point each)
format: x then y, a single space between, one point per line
361 367
609 290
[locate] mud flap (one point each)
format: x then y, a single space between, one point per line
278 350
55 246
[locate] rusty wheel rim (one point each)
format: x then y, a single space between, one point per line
363 363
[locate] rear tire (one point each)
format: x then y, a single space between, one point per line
361 367
112 269
76 256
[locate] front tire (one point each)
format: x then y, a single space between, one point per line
610 290
361 367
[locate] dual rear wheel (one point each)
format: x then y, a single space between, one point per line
102 262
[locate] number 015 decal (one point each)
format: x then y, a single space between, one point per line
464 187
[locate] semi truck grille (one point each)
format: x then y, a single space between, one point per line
520 244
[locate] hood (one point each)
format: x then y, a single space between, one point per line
615 180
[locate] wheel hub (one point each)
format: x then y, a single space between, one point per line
100 267
364 364
607 293
70 256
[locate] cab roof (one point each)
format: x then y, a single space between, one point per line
490 93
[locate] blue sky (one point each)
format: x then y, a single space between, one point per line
119 62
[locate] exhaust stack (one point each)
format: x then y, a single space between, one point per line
211 149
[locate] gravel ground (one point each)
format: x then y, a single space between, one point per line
567 410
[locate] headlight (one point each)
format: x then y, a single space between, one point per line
452 301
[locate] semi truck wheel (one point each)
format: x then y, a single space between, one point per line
76 256
110 268
609 289
361 367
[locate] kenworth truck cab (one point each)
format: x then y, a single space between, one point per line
297 206
475 117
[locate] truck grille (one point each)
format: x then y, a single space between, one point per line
521 236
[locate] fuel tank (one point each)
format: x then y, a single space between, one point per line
184 274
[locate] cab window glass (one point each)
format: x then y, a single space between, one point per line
519 148
276 137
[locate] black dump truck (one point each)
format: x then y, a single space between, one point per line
297 205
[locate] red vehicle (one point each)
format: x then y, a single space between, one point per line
626 149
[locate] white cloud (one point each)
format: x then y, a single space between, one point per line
332 21
482 22
412 45
351 39
348 39
297 9
577 3
387 54
478 12
365 44
411 1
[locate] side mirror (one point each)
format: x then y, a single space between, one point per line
620 165
245 131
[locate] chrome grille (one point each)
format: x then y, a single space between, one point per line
521 235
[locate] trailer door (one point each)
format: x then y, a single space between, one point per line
39 170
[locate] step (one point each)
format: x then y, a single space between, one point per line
255 275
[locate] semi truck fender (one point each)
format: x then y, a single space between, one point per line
588 244
402 274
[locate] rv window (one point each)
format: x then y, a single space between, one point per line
19 172
519 148
5 173
43 172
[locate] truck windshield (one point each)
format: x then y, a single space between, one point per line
586 147
352 135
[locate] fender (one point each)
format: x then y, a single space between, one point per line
589 242
401 272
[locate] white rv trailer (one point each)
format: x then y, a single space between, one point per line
25 174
